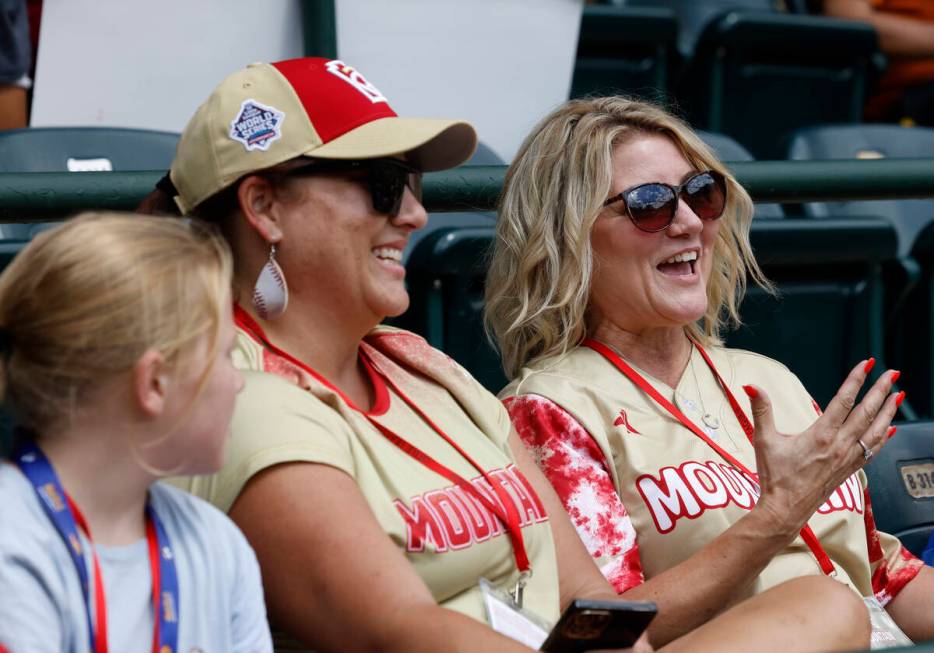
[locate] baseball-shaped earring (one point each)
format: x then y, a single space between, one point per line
271 293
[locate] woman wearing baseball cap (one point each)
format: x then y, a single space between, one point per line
377 481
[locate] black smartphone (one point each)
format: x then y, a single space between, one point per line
589 625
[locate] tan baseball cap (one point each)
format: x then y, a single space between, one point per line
269 113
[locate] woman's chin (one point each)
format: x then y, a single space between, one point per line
684 315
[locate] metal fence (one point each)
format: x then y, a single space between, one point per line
40 196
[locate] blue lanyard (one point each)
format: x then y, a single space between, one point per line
66 518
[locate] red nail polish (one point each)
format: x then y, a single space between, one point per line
891 431
895 375
899 398
869 365
752 392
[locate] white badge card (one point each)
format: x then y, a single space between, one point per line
885 632
506 618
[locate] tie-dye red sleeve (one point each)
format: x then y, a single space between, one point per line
575 466
893 566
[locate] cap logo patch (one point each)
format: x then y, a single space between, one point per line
350 75
256 125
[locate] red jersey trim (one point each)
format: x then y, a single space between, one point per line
381 401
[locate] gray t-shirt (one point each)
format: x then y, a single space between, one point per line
42 607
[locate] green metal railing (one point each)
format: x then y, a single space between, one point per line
319 27
39 196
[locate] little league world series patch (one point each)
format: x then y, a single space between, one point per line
256 125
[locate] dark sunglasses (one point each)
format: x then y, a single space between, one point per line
385 178
652 207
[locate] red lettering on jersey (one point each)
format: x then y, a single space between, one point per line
478 517
668 498
421 525
847 497
709 488
623 420
450 518
540 514
453 520
529 511
742 491
486 490
691 489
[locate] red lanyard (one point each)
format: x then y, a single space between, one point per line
806 533
100 601
508 514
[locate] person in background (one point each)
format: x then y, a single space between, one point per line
115 340
15 60
378 481
622 252
905 93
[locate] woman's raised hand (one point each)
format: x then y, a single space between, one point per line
798 472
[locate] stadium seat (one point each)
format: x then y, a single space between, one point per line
447 272
694 15
910 339
827 273
901 485
742 69
77 149
625 51
728 150
829 311
483 156
871 141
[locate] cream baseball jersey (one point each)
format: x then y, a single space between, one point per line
646 493
287 413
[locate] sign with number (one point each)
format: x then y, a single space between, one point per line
919 480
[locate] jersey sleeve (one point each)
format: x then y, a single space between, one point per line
893 566
575 466
274 422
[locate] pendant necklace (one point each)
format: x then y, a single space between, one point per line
711 421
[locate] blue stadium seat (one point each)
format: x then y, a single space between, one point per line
901 485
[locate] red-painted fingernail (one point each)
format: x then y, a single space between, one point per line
891 431
895 376
899 398
869 365
752 392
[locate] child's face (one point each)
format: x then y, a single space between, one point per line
201 430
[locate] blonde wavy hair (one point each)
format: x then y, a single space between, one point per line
85 300
538 285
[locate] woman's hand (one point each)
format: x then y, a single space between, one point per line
797 473
641 646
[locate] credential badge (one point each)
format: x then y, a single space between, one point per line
256 125
350 75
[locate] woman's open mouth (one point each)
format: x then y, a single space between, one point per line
679 265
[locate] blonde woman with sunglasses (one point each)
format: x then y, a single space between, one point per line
622 254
